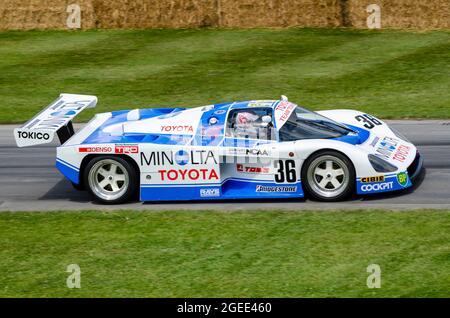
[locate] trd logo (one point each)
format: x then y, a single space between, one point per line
33 135
377 186
124 149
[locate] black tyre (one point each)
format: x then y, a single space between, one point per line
328 176
110 179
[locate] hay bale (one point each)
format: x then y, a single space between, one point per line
51 14
36 14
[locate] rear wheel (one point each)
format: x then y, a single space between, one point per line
110 179
328 176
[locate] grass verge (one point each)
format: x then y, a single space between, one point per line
214 254
391 74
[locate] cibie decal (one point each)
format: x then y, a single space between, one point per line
210 192
402 153
188 174
177 129
126 149
97 149
180 157
372 179
251 169
387 147
262 188
377 186
402 179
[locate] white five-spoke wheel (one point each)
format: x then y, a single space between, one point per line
110 179
328 176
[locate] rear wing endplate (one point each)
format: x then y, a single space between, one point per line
56 118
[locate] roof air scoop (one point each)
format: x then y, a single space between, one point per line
284 98
133 115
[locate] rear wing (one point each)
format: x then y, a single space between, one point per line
55 118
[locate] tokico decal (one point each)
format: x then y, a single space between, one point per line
180 157
35 135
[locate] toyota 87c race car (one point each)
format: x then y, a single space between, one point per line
257 149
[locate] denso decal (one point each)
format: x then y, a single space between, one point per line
95 149
188 174
387 147
177 129
251 169
33 135
402 153
377 186
180 157
262 188
126 149
372 179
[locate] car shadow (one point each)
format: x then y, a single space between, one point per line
63 190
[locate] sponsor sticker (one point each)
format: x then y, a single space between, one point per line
211 192
262 188
188 174
34 135
97 149
372 179
402 179
177 129
284 110
375 141
387 147
377 186
248 151
180 157
126 149
260 103
252 169
402 153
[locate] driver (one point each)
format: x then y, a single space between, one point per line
249 125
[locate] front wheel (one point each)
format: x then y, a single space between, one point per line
328 176
110 179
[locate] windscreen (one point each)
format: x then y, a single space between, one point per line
306 124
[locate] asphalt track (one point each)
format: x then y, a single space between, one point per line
30 182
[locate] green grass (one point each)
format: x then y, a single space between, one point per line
216 254
391 74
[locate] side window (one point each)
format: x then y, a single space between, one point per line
250 123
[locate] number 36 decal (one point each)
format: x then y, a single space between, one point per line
369 121
285 171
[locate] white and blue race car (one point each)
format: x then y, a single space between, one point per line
258 149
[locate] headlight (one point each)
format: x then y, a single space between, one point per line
399 135
381 165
